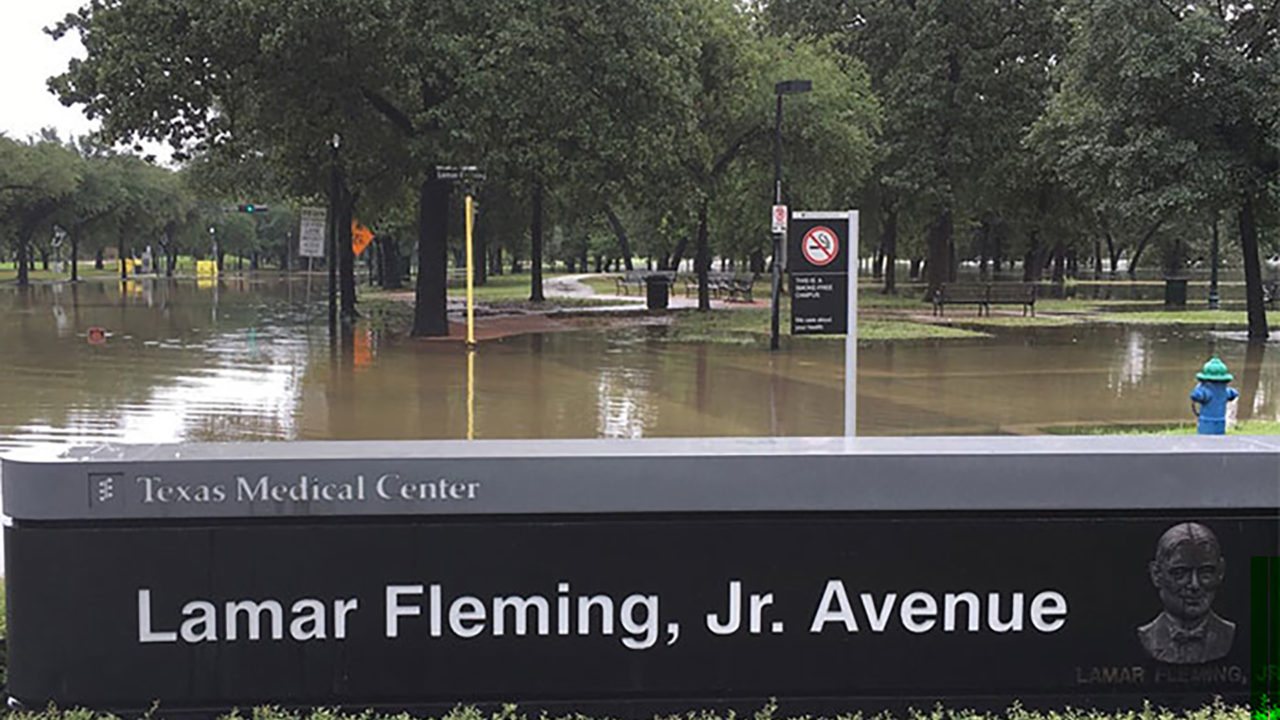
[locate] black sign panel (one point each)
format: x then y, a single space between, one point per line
417 611
818 245
819 304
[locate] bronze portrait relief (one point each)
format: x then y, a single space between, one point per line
1187 571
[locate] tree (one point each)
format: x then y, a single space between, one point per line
960 80
1193 90
36 178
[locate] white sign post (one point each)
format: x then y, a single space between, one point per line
311 233
820 247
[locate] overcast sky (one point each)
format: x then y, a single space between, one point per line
27 58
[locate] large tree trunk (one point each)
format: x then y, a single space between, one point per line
389 254
1059 262
124 266
1030 268
346 260
479 254
938 268
890 244
535 246
624 246
1142 245
1097 259
430 307
24 278
677 256
75 258
98 263
984 250
702 260
1252 272
1113 255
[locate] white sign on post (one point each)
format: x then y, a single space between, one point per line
312 232
779 218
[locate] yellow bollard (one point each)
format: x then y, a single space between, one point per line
471 299
471 394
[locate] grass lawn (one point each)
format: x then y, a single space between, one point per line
1019 320
110 269
1246 427
503 287
749 325
1175 317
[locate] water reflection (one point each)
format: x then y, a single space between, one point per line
243 360
1133 361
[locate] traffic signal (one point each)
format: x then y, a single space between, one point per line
251 208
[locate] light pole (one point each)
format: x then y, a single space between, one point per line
334 144
213 243
786 87
1213 268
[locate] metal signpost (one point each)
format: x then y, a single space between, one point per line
608 577
822 260
469 176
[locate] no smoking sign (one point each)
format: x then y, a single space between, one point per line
820 246
817 245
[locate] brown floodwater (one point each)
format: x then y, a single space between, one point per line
248 360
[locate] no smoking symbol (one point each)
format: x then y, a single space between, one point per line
820 246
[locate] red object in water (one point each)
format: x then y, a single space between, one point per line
97 336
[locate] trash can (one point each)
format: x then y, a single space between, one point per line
657 289
1175 292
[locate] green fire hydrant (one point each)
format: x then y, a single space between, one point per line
1210 396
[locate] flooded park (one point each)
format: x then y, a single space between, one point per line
251 359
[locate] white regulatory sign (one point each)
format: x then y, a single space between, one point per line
311 233
779 218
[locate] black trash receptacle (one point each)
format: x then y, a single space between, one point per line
657 290
1175 292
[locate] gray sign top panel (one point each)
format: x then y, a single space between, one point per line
628 476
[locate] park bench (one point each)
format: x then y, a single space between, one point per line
630 279
985 295
714 281
742 285
721 284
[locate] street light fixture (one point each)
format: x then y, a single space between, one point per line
786 87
